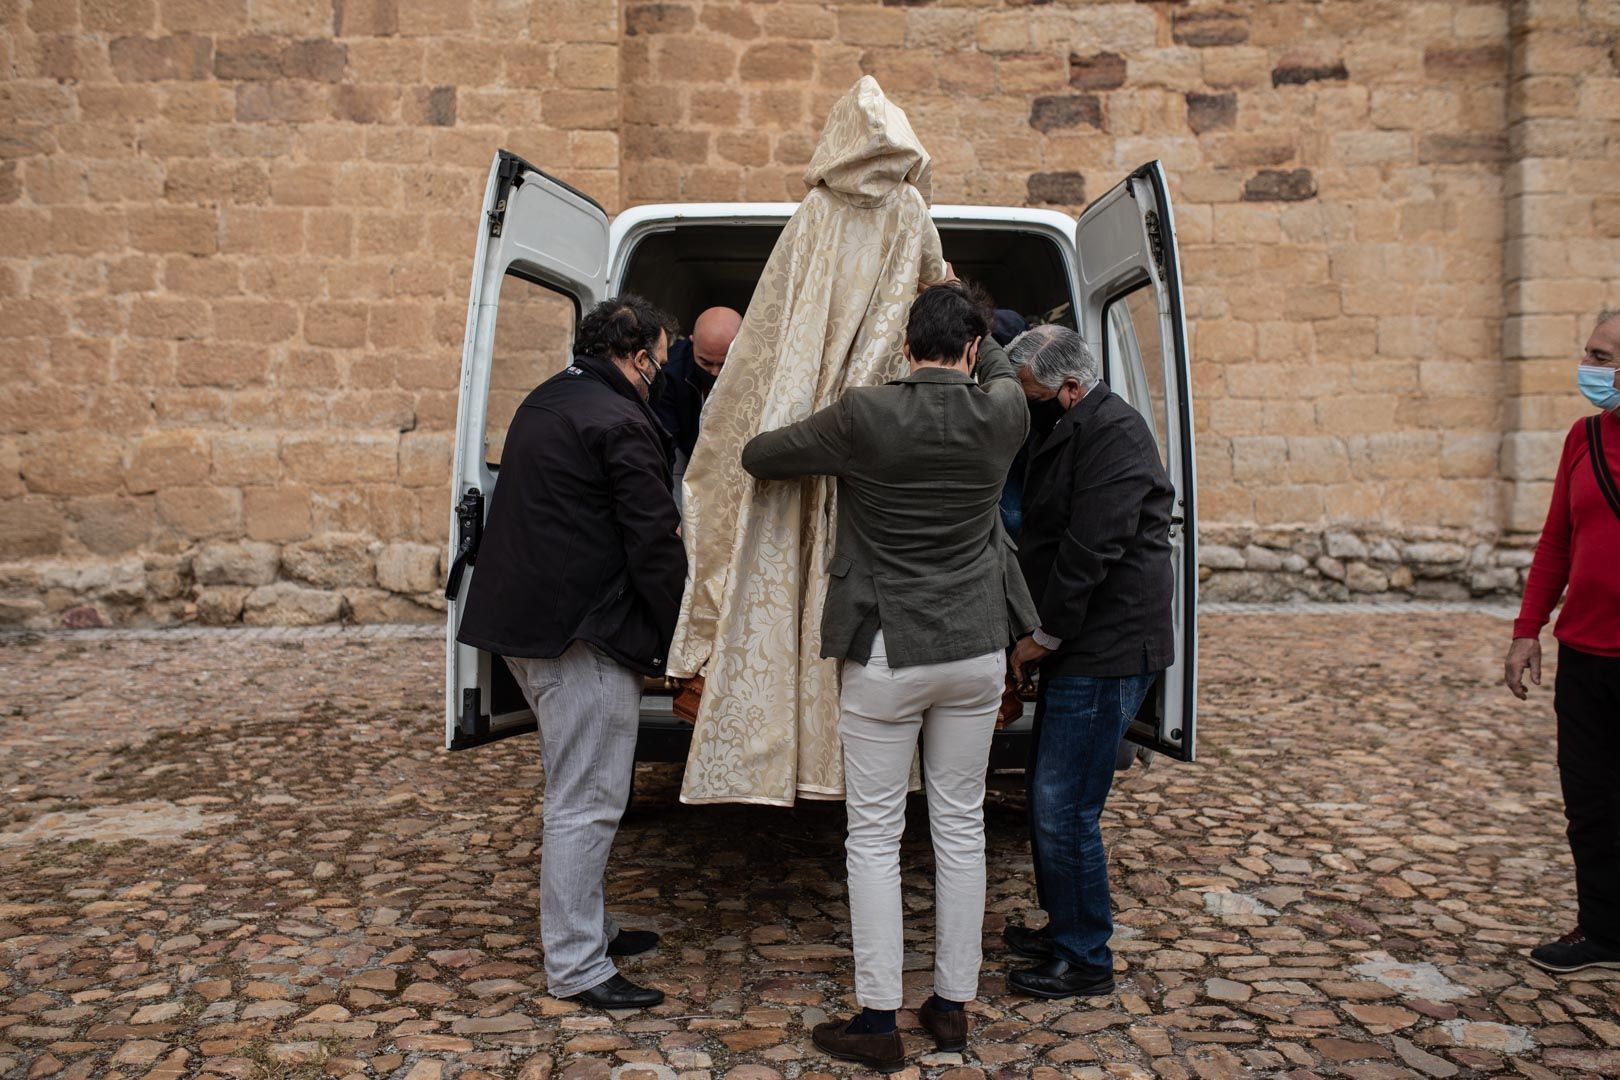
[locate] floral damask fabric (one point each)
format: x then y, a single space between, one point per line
829 313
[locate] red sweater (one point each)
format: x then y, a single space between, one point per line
1580 547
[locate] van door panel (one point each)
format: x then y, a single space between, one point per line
1131 312
534 329
541 259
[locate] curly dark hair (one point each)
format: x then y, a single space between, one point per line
946 318
621 326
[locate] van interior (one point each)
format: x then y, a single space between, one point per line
692 266
696 266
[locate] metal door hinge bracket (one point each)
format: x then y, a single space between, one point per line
508 176
472 722
1155 238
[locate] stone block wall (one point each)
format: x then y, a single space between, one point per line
1562 255
235 240
1337 170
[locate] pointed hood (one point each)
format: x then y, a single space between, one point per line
867 149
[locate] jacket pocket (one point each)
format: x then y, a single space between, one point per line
839 567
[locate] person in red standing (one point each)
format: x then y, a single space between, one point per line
1580 551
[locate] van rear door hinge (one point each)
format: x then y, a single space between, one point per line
1155 238
507 177
472 722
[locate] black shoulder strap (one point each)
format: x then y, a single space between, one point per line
1600 464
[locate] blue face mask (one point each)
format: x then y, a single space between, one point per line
1597 383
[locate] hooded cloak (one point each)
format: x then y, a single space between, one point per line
829 313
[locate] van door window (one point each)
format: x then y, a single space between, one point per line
1134 347
534 334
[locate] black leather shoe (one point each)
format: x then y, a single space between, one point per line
632 943
1058 978
885 1053
1033 944
619 992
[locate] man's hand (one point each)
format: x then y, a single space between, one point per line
1026 655
1525 652
950 275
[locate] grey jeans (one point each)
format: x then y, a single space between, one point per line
588 706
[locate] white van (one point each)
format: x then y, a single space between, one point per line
546 252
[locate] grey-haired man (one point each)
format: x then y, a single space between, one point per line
1095 550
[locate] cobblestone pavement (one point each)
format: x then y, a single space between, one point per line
250 858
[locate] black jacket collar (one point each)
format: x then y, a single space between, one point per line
608 374
1071 421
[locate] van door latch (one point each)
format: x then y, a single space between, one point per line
470 527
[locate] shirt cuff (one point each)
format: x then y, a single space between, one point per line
1046 641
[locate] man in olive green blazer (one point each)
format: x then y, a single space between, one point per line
924 597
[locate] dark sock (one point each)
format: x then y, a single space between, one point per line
872 1022
939 1004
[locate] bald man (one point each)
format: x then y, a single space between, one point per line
690 374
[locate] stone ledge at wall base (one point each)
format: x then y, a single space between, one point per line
347 577
1253 564
338 577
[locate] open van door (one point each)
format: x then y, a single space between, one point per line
1131 308
541 260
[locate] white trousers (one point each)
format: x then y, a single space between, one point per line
953 706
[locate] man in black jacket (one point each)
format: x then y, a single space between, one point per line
579 581
694 364
1095 549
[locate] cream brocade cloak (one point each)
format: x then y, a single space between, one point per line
829 313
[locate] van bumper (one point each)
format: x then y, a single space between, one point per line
665 737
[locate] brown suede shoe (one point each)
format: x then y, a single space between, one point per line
949 1029
885 1053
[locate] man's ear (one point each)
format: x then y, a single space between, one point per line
905 349
973 351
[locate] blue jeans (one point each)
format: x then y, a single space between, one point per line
1079 721
1012 504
